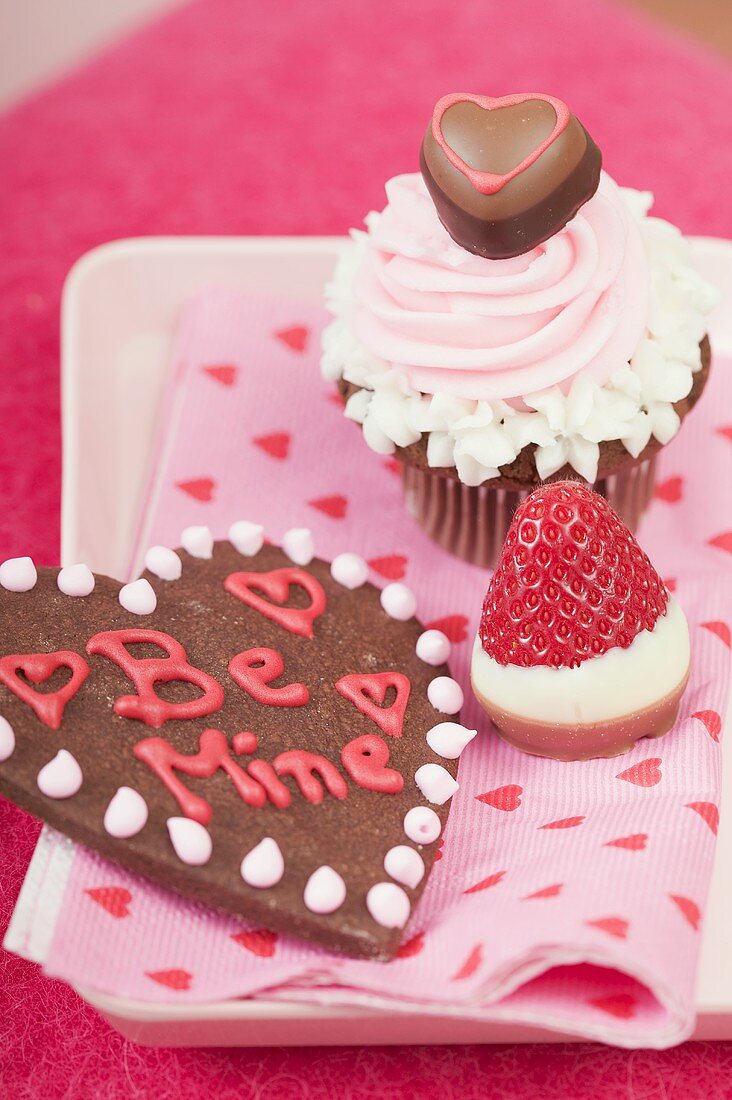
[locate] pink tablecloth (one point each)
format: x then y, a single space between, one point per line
180 131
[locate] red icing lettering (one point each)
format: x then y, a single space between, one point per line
265 774
301 765
146 672
365 759
276 587
367 691
213 753
39 667
255 670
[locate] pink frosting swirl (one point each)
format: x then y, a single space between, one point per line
459 324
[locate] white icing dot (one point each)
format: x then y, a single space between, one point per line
445 694
388 905
18 574
7 740
198 541
398 601
433 647
246 537
138 597
350 570
405 865
126 814
191 841
448 739
264 865
299 546
60 777
422 825
164 563
435 783
325 891
76 580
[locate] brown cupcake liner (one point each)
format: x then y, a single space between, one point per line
471 522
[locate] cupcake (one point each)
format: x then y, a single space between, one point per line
581 649
513 316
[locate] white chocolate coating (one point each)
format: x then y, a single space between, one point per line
613 685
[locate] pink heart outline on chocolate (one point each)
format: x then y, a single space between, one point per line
367 691
488 183
276 585
39 667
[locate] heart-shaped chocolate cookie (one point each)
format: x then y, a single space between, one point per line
507 173
256 741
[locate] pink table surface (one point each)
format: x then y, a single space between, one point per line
237 117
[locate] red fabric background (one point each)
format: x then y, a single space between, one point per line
233 116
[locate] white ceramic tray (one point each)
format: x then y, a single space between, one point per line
120 310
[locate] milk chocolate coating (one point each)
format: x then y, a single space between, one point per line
585 741
528 208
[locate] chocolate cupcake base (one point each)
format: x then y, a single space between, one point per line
471 522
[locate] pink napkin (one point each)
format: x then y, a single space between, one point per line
570 896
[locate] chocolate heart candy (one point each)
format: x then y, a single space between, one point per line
252 742
505 174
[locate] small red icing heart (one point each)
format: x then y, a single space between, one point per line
179 980
276 587
723 541
454 627
546 892
614 926
708 812
711 722
260 941
563 823
645 774
636 842
670 490
502 798
721 630
486 883
471 964
411 947
688 909
49 706
200 488
368 690
335 506
393 566
620 1005
276 445
115 899
225 373
295 337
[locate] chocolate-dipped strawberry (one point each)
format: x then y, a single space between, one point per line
581 650
507 173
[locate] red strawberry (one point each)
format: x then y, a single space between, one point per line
571 582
